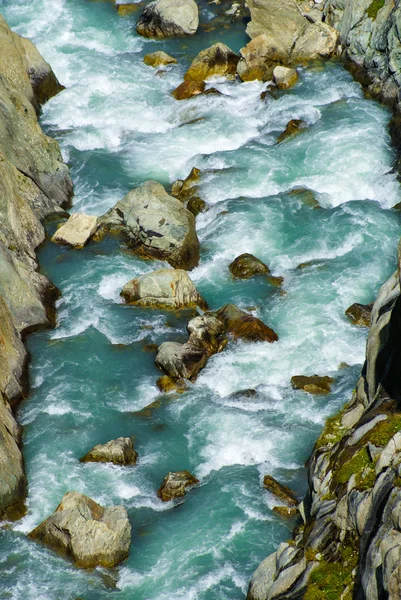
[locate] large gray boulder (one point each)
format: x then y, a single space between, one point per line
169 18
89 534
156 224
118 452
164 288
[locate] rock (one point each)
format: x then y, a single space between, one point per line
262 579
313 384
257 60
167 384
245 326
77 231
127 9
359 314
307 197
89 534
280 491
196 206
294 127
284 77
189 89
216 60
159 58
168 18
175 485
285 512
118 452
164 288
156 225
246 266
44 83
187 188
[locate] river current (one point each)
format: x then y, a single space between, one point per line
92 377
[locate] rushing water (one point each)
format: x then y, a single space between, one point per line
92 378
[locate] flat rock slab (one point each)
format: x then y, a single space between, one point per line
313 384
175 485
89 534
77 231
118 452
280 491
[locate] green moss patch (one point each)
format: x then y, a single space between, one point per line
374 8
333 430
359 465
384 431
329 580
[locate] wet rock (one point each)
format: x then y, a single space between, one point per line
175 485
247 265
280 491
257 60
285 77
189 89
294 127
89 534
127 9
219 59
159 58
77 231
285 512
313 384
250 393
196 206
169 18
242 325
164 288
118 452
167 384
307 197
184 189
360 314
156 225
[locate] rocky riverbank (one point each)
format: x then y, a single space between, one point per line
34 185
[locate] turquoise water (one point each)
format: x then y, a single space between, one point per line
93 378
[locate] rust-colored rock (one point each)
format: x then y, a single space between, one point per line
313 384
244 326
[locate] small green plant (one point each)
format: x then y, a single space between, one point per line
329 580
374 8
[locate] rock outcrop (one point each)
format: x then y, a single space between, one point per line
350 543
89 534
165 288
168 18
175 485
156 225
34 184
118 452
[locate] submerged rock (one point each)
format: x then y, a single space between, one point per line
280 491
165 288
247 265
188 89
284 77
360 314
219 59
294 127
118 452
167 384
89 534
242 325
175 485
158 59
156 224
313 384
306 196
77 231
169 18
286 512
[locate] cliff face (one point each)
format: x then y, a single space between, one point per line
349 545
34 184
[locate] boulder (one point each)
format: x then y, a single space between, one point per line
284 77
156 225
167 384
196 206
306 196
118 452
294 127
219 59
175 485
285 512
188 89
242 325
359 314
257 60
280 491
313 384
184 189
44 83
77 231
164 288
246 266
89 534
168 18
158 59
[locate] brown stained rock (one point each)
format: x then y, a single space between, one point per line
359 314
175 485
196 205
244 326
219 59
118 452
159 58
285 512
89 534
246 266
189 89
167 384
306 196
313 384
285 77
127 9
280 491
294 127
